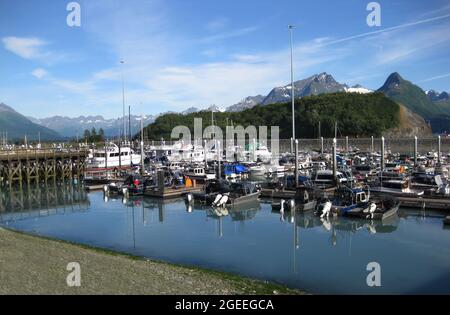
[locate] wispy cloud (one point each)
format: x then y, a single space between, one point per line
231 34
435 78
34 48
385 30
25 47
411 44
217 24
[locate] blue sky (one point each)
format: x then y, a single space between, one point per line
183 53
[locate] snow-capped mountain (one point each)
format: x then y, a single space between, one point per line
436 96
71 127
246 103
314 85
214 108
190 110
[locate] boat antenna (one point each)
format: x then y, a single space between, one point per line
123 100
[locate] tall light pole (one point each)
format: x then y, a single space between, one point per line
123 101
292 82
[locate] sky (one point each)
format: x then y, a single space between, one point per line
183 53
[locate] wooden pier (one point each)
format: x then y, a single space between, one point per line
40 165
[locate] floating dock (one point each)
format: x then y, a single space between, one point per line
171 192
425 203
287 193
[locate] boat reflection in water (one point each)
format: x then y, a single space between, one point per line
301 250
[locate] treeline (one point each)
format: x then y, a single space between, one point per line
356 115
92 135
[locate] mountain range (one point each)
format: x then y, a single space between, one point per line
432 106
18 126
72 127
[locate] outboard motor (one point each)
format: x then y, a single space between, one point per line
189 198
326 209
372 209
223 201
218 197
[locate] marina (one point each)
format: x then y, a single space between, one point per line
284 226
230 148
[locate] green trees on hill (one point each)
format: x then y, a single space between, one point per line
356 115
92 136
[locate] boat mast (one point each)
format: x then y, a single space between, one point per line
142 144
129 123
292 83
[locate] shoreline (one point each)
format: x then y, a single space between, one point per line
34 264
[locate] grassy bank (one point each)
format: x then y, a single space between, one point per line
37 265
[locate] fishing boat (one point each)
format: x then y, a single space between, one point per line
325 179
356 202
199 173
132 185
395 187
112 157
234 171
239 193
209 194
303 200
377 210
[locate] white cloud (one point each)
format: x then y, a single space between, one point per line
217 24
25 47
39 73
33 48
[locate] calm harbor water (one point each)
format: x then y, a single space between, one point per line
412 249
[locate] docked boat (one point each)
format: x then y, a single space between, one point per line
325 179
233 171
396 188
212 189
132 185
199 173
239 193
112 157
377 210
303 200
357 203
